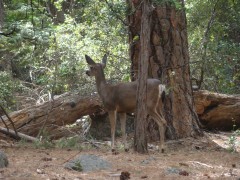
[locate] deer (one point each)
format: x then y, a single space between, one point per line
121 98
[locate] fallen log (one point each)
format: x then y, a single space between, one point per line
217 111
19 135
49 116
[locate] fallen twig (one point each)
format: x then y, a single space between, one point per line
201 164
3 110
18 136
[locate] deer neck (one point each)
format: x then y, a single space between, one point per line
101 83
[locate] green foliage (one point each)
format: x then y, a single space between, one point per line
46 144
7 87
23 142
45 140
71 142
233 141
77 166
220 61
51 55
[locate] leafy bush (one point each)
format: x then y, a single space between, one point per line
71 142
51 55
214 44
233 142
7 88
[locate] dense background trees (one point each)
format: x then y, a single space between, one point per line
43 42
214 37
43 46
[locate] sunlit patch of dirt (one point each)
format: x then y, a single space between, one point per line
201 158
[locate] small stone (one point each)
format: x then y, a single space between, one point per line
88 163
172 170
40 171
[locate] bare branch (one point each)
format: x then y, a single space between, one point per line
18 136
3 110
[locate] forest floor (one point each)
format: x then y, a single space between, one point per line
201 158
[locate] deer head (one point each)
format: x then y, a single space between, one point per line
95 68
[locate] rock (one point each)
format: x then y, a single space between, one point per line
88 162
3 160
173 170
148 160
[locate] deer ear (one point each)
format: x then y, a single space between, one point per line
104 60
89 60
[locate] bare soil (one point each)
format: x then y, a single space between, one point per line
201 158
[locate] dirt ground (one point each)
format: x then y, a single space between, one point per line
202 158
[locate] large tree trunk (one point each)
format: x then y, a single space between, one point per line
169 62
140 138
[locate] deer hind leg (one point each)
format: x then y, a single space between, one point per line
122 117
161 122
112 118
162 129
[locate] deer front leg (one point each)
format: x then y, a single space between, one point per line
112 118
122 117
